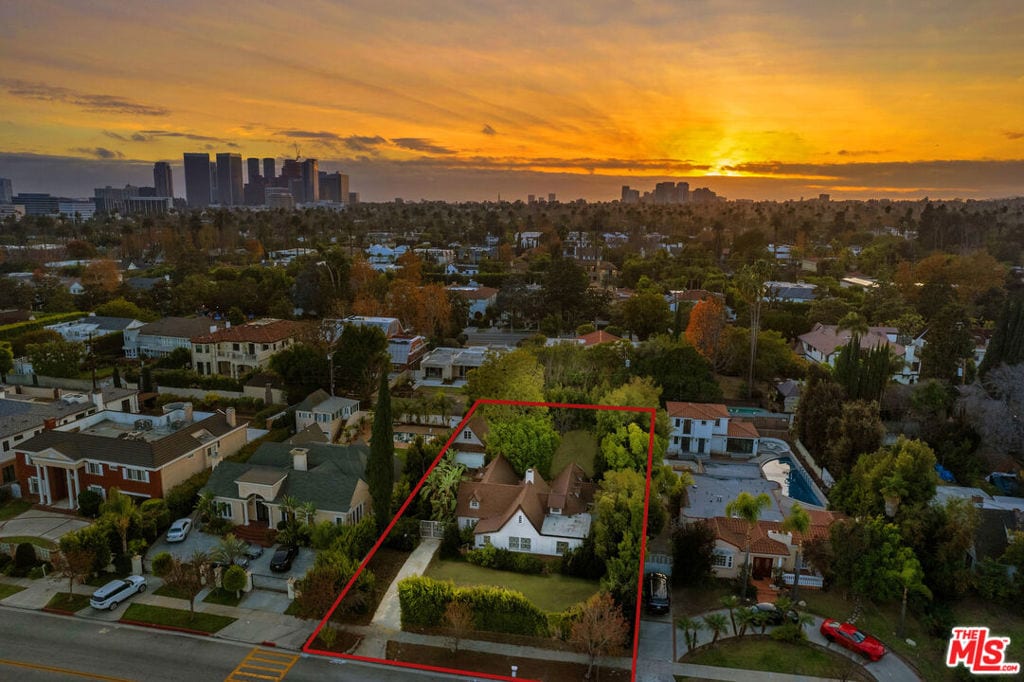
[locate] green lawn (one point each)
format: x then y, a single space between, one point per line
577 446
101 579
548 592
763 653
219 596
169 591
39 542
6 590
14 507
158 615
64 602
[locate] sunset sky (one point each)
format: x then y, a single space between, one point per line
465 100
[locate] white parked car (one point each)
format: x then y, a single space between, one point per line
116 591
179 530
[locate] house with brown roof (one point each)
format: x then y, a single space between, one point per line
823 343
699 430
158 339
771 547
143 456
528 514
233 351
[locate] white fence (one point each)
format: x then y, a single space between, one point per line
810 581
661 563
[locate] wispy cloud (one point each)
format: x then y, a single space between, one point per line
88 101
1013 134
861 152
420 144
488 130
364 143
99 152
312 135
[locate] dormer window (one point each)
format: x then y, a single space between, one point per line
556 510
474 504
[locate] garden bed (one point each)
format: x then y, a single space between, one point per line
63 603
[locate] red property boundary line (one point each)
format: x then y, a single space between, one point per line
308 646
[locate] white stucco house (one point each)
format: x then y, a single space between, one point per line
528 514
702 429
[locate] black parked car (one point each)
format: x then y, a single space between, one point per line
657 598
283 558
773 614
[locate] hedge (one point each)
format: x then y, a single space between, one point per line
185 378
423 602
490 556
181 499
16 329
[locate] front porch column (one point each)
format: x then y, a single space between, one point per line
67 481
245 512
78 488
47 498
39 481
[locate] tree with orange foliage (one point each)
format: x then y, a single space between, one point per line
704 331
411 267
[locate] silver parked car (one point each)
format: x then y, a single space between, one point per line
116 591
179 530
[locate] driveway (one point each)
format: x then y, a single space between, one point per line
197 540
41 524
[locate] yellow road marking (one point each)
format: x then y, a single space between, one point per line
61 671
275 662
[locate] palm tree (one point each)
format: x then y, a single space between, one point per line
690 627
760 618
123 513
206 507
745 618
803 620
229 549
748 508
717 624
731 601
306 513
797 521
855 323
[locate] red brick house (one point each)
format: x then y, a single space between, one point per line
142 456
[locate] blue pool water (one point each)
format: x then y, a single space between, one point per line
747 411
793 480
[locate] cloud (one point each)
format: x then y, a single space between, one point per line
1013 134
151 135
420 144
312 135
861 152
99 152
364 143
88 101
488 130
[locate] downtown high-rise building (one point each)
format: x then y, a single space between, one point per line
334 187
310 180
253 167
6 191
229 179
269 168
163 182
198 180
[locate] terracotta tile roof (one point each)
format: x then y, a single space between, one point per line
740 429
704 411
825 338
734 531
179 327
479 294
600 336
267 330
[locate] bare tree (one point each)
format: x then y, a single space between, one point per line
995 407
189 577
74 564
600 629
459 616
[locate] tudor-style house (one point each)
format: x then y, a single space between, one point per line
331 477
142 456
233 351
528 514
699 430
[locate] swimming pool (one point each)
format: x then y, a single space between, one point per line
793 480
747 411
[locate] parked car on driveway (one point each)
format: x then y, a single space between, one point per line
656 593
254 552
283 558
116 591
852 638
179 530
773 614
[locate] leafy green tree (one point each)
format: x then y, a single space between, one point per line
857 430
303 368
56 358
693 551
870 559
527 441
637 392
627 448
1007 344
6 362
507 376
360 360
821 405
751 284
948 345
678 368
380 468
442 488
234 580
645 314
896 479
749 508
119 307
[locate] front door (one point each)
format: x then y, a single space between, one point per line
762 567
262 513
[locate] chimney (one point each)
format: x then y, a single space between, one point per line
299 458
97 399
229 415
188 412
50 424
528 477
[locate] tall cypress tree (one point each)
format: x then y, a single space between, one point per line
380 468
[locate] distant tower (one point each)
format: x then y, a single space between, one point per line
163 183
197 180
253 165
6 191
310 180
269 169
229 179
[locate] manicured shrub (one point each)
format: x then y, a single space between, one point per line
405 536
162 563
89 502
499 610
181 499
24 557
423 601
505 560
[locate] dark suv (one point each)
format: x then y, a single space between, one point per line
657 598
283 558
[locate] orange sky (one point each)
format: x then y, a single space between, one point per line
851 97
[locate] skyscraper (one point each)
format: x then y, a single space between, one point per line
253 165
310 180
6 191
162 180
269 170
229 179
334 187
197 179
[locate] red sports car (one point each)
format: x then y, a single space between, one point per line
852 638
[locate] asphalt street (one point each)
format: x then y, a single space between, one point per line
42 647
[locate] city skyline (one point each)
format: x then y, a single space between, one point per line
762 101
